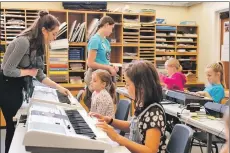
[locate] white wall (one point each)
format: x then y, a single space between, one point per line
206 16
33 5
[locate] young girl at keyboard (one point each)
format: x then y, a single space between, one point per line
104 93
147 127
215 77
176 79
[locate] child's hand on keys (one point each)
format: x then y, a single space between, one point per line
109 130
94 119
100 117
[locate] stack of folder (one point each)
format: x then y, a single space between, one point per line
77 32
59 44
76 53
75 80
147 32
131 30
58 61
76 66
62 30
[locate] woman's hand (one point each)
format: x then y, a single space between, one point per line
200 93
63 90
112 134
31 72
112 70
100 117
116 68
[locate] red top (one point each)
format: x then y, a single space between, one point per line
175 82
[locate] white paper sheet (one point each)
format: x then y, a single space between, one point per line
225 53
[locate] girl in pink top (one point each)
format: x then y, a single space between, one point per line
175 80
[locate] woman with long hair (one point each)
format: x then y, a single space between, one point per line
22 61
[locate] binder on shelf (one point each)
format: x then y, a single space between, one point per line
76 53
83 35
62 29
92 28
72 29
74 35
79 33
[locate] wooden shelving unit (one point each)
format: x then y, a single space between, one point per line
178 41
15 22
2 37
134 37
187 48
165 40
31 15
147 38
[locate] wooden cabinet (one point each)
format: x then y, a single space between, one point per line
135 36
132 33
180 42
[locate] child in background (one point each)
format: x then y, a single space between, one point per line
147 127
104 93
225 149
215 77
176 79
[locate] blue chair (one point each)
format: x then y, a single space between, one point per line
122 112
180 140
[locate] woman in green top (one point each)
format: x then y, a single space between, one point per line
99 52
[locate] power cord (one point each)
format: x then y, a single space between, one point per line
179 114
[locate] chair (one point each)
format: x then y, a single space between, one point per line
201 137
224 101
122 112
79 96
180 140
227 102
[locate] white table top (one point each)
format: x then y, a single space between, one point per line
215 126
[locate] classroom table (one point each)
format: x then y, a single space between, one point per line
212 127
